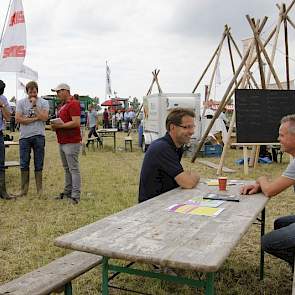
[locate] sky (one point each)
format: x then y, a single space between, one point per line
70 41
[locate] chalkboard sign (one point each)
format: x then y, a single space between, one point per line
259 112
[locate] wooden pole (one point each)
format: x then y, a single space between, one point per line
233 119
260 64
286 47
217 62
274 47
290 6
231 56
290 22
212 58
256 36
255 149
240 54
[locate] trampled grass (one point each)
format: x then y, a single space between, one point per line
29 225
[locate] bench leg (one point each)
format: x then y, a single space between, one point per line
68 288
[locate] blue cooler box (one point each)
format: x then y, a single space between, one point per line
213 150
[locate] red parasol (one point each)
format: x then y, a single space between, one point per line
111 103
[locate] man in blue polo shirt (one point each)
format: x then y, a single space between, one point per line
161 168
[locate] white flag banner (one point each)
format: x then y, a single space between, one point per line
13 45
217 75
108 80
27 73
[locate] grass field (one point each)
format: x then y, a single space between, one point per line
29 225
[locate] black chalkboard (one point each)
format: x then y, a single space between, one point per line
259 112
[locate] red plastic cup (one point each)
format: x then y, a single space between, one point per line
222 183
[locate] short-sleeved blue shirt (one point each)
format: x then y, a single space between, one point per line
160 166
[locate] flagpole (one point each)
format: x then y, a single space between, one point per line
106 81
2 33
16 86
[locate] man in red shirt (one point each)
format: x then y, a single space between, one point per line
69 137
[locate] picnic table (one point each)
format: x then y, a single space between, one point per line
8 164
111 132
149 233
9 143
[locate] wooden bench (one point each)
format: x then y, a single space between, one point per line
52 277
9 164
128 139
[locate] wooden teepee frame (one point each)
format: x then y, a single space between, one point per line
248 62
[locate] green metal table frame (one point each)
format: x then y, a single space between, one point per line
207 284
262 231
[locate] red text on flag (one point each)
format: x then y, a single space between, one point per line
14 51
17 18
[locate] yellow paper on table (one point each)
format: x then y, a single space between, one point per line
184 208
206 211
212 182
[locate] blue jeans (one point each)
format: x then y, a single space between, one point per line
281 241
37 143
2 152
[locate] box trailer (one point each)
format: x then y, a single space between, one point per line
156 108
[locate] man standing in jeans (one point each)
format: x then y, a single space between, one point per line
5 112
69 138
31 113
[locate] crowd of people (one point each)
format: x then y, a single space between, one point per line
31 114
122 120
161 169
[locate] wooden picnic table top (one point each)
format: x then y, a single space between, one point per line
254 143
110 130
149 233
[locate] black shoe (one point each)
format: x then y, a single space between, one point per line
6 196
62 196
74 201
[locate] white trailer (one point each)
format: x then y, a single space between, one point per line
155 110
